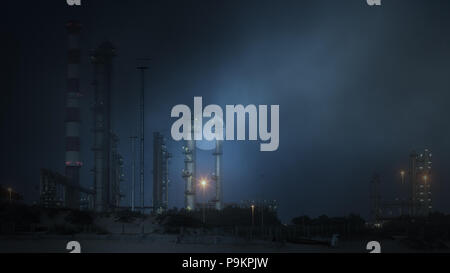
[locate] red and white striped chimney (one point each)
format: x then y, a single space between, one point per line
73 160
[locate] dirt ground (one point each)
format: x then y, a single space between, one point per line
168 244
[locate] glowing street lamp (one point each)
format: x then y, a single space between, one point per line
253 214
402 173
203 183
425 178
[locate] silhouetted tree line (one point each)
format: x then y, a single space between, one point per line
347 227
19 214
351 219
432 232
227 217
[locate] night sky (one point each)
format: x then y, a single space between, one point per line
359 87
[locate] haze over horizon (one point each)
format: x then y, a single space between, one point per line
359 88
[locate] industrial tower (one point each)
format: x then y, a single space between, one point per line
72 121
217 175
189 171
102 58
142 69
116 177
161 158
420 179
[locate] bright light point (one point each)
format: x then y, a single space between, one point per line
203 182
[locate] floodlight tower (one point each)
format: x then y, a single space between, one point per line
142 69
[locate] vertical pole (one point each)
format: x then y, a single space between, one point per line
133 170
142 127
218 174
142 140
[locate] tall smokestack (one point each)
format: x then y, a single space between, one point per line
218 174
73 161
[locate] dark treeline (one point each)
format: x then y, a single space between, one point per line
323 226
352 219
430 232
227 217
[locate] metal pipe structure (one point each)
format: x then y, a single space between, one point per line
72 122
218 174
102 60
189 174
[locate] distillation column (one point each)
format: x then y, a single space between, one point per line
102 61
218 174
161 158
165 179
72 122
189 172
